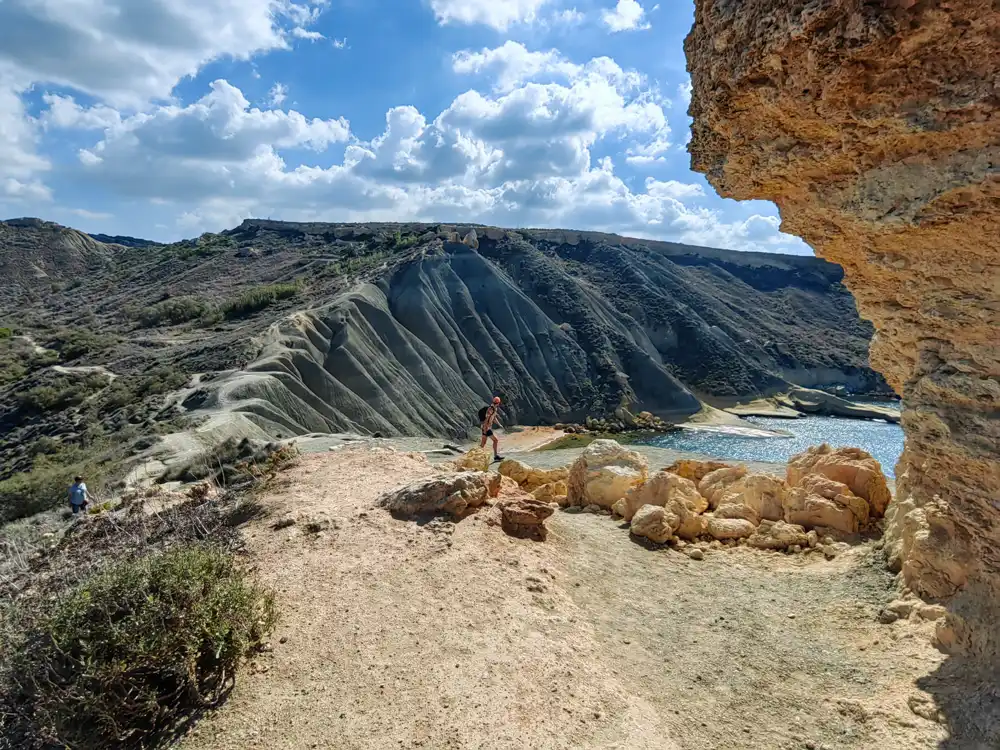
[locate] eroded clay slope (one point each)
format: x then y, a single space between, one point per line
560 330
874 127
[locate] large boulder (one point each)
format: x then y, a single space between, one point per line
850 466
821 501
666 490
604 473
695 470
713 486
453 494
755 497
528 477
476 459
655 523
778 535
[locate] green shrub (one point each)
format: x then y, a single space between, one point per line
72 343
174 311
6 333
253 300
127 655
62 394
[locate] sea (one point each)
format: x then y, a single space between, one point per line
883 440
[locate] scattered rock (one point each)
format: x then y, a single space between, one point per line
778 535
285 521
925 707
454 494
476 459
901 607
695 554
713 485
655 523
695 470
604 473
593 508
729 528
931 611
553 492
524 516
664 489
529 478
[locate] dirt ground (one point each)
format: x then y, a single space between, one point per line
399 635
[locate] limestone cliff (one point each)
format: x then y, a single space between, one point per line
874 126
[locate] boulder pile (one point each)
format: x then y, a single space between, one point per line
826 493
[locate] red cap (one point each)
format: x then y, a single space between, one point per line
496 399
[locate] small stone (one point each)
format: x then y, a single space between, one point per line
696 554
829 551
283 639
795 549
887 617
592 508
901 607
828 540
812 538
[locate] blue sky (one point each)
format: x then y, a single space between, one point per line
168 118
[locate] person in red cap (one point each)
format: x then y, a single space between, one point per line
488 417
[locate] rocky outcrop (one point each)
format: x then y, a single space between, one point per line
450 494
553 492
655 523
715 484
874 127
821 502
604 473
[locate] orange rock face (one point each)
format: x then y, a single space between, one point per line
875 128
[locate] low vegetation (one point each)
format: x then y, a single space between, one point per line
258 298
62 393
174 311
127 654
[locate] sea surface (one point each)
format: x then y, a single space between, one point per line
884 441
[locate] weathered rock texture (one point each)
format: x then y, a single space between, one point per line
874 127
452 494
604 473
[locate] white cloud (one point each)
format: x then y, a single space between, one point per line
300 33
568 17
340 43
277 95
129 52
92 215
628 15
500 14
20 164
63 112
673 189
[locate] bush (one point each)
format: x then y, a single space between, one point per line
253 300
130 653
76 342
174 311
62 394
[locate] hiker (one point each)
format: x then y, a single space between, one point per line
79 496
488 418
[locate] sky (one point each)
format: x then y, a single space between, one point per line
164 119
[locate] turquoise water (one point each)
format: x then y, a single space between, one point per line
883 441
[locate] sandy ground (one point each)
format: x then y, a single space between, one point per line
399 635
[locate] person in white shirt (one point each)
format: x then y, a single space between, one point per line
78 495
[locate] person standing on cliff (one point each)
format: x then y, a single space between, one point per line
488 418
79 496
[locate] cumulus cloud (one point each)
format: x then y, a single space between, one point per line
63 112
127 52
628 15
20 164
500 14
277 95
